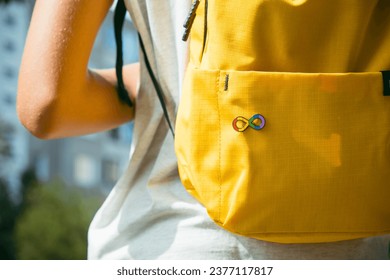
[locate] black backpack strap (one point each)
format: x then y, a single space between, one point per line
119 17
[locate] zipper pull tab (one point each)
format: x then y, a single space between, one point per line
190 20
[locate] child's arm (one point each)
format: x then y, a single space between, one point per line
58 96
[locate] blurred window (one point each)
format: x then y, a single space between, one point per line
9 46
114 134
9 20
8 99
9 72
84 170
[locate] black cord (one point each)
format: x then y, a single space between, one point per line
157 86
119 19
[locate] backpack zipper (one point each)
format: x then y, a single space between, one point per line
190 20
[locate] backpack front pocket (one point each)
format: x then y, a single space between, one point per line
287 157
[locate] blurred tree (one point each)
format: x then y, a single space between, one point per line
8 210
8 214
55 221
29 181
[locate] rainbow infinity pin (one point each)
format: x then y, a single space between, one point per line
256 122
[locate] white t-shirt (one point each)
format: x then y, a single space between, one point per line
148 214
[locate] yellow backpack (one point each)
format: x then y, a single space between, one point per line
290 155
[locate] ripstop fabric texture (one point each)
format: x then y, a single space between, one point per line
283 130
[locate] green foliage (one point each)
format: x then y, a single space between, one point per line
54 222
8 210
8 214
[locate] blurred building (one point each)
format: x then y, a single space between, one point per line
14 20
90 161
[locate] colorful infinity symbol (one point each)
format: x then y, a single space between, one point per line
240 124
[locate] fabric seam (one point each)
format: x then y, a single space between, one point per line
219 147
